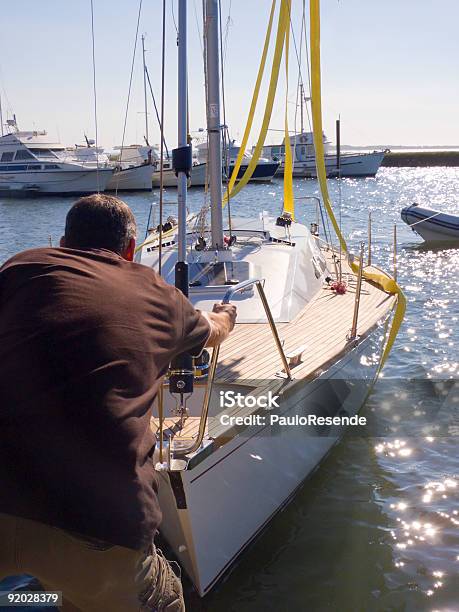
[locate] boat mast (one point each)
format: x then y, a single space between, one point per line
182 128
145 89
211 29
301 107
1 115
181 370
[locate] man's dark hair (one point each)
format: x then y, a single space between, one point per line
99 222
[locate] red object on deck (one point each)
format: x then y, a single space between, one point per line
339 287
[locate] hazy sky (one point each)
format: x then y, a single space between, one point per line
390 68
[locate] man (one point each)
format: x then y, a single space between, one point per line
85 339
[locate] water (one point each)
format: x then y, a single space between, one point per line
377 527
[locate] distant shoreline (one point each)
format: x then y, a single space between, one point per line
413 159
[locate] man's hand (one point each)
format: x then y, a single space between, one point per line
229 309
221 321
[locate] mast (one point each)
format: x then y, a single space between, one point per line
1 115
145 89
182 128
301 107
181 371
338 146
213 122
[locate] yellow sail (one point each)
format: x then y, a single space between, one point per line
289 203
385 282
282 27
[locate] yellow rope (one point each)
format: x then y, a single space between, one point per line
283 24
387 283
289 202
253 106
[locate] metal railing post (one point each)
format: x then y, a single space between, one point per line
369 239
358 290
395 252
213 363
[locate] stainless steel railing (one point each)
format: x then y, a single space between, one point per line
240 287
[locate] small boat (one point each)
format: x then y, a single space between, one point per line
31 163
432 225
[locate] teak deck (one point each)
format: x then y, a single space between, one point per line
322 328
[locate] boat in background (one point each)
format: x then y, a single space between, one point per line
132 171
31 163
302 145
264 171
431 225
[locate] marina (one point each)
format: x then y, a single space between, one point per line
310 461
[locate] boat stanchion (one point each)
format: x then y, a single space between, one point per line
369 238
395 252
358 291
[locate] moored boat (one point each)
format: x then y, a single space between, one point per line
344 165
432 225
32 164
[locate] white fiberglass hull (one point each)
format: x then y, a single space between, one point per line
432 225
72 181
351 165
213 510
198 177
137 178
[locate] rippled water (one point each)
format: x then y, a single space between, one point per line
377 527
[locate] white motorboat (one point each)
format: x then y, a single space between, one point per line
31 163
132 170
224 468
302 145
432 225
198 174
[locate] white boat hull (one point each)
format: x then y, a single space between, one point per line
212 511
137 178
74 181
351 165
432 225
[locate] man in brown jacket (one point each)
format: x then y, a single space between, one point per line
86 336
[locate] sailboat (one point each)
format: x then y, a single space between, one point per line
235 429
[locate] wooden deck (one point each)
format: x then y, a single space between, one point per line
322 328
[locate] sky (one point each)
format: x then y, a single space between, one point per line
390 68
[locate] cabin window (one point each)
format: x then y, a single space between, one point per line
14 168
33 167
7 156
275 151
23 154
52 167
43 153
217 274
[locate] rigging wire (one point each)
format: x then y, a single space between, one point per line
161 154
95 96
197 25
227 148
158 118
130 84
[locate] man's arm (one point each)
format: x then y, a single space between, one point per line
221 321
